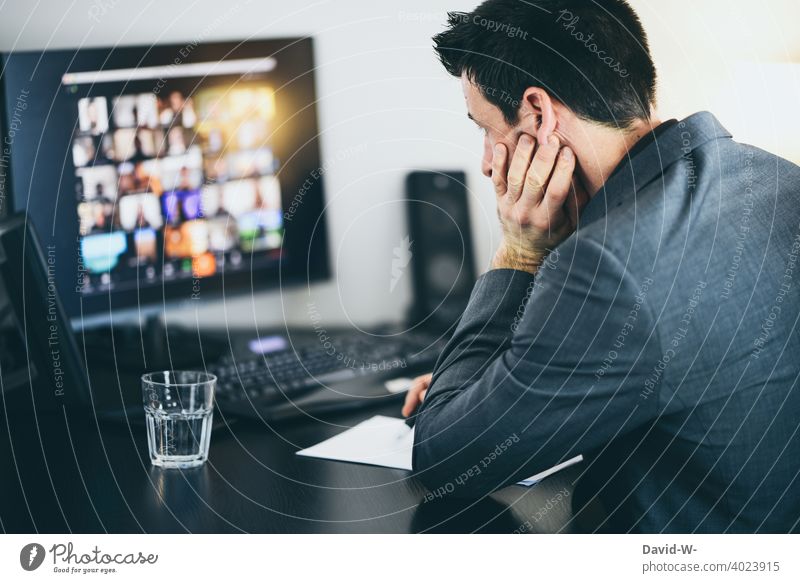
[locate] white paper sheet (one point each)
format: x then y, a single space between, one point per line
387 442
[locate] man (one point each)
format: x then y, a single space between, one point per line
652 329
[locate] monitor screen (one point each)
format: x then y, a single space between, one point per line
170 172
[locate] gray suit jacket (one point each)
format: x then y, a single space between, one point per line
660 340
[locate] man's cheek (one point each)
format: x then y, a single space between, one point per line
511 151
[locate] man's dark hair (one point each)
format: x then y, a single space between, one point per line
591 55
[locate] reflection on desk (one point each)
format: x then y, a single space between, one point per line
77 475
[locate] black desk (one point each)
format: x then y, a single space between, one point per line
65 472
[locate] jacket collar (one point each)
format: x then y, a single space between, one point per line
648 164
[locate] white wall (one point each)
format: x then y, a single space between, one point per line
737 58
386 107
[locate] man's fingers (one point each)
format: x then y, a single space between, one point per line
540 170
499 170
416 393
411 402
412 397
560 185
424 380
519 167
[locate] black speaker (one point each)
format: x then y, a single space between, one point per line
443 264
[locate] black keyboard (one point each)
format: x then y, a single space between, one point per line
272 377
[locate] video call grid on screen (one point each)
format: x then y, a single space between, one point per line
173 170
174 181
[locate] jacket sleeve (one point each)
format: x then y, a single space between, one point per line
538 370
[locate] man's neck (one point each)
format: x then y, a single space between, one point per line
601 149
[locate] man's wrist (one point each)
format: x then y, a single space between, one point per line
517 259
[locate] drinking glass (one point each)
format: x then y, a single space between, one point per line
179 408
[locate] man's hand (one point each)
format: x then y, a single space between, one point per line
538 201
416 393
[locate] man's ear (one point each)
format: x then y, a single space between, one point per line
536 101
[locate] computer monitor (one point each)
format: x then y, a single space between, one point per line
167 173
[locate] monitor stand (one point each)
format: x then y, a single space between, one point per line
151 346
